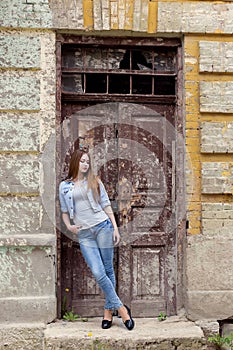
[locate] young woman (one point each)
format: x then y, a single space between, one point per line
87 213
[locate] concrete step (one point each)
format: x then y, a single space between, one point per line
171 334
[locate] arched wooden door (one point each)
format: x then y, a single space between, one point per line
133 146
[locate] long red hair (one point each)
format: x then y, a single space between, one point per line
92 180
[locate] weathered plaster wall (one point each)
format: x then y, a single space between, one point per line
27 119
27 116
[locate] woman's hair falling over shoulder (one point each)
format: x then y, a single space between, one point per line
92 180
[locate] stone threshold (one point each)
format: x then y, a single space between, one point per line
149 333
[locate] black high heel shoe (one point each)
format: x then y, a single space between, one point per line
106 324
129 324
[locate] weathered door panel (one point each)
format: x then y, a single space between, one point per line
131 151
93 126
145 205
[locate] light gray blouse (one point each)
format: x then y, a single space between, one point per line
84 215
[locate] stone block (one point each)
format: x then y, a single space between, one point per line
28 309
19 176
98 23
216 137
216 97
25 240
106 15
216 56
209 264
191 17
19 134
136 15
217 219
212 305
217 177
47 114
209 327
150 334
144 16
27 272
69 14
19 51
24 214
209 280
21 14
227 329
28 215
21 337
19 92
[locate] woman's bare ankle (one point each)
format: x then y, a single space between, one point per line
107 314
123 313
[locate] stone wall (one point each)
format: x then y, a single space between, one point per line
209 115
27 146
27 117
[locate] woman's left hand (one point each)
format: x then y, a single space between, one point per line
116 236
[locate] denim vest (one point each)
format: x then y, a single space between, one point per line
67 202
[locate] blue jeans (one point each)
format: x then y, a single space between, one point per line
96 244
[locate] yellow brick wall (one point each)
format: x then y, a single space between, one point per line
194 119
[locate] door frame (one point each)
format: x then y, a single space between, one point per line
179 191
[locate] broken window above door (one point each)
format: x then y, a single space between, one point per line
132 71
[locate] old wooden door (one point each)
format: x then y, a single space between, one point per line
133 142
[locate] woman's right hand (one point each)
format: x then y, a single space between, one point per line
73 228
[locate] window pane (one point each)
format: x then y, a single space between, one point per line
119 84
136 59
96 58
72 83
96 83
73 59
114 58
142 85
165 61
164 86
78 58
144 60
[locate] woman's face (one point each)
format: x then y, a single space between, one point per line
84 163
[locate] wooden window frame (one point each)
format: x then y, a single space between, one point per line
117 42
